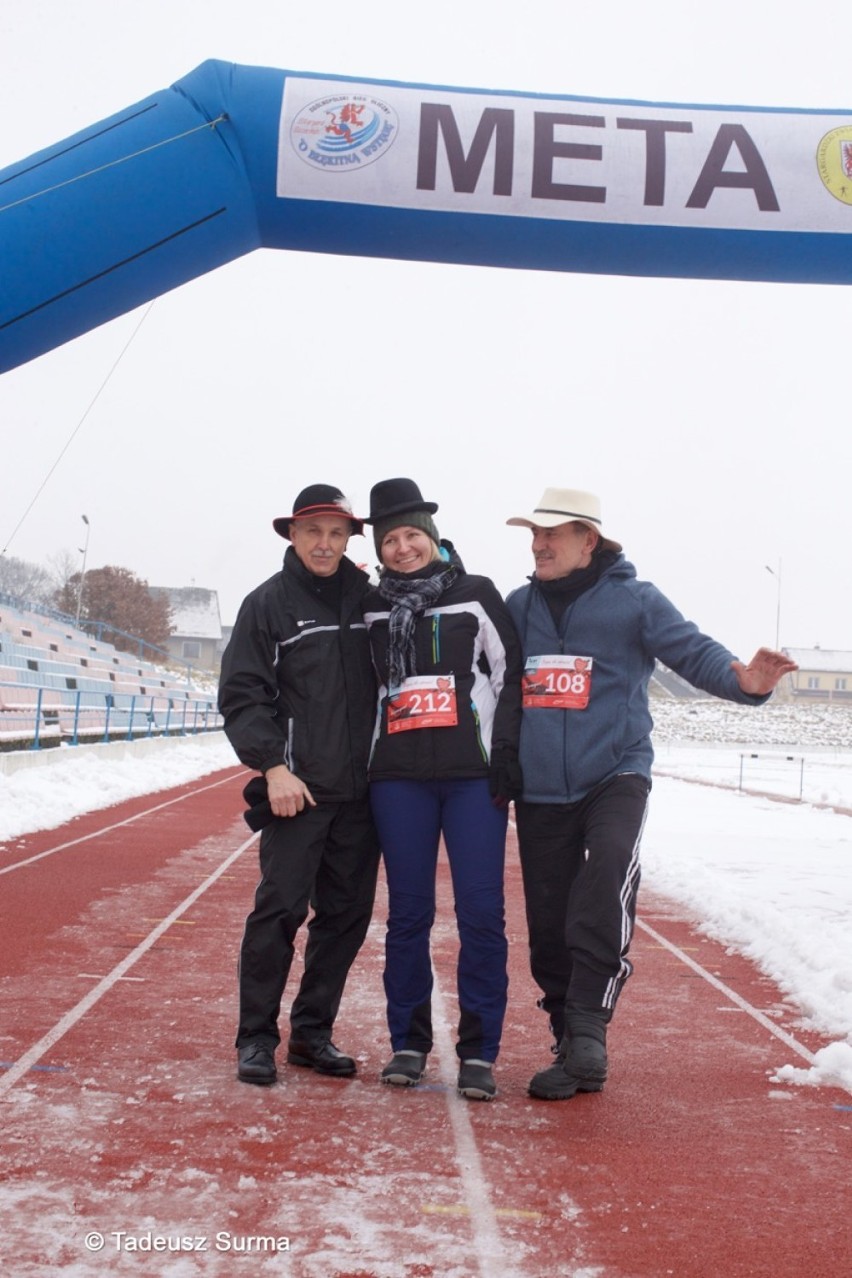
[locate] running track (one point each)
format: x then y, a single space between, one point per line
120 1114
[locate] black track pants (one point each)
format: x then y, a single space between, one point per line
327 858
580 864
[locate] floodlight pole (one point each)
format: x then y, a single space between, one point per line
84 550
777 576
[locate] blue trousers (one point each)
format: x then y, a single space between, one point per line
410 817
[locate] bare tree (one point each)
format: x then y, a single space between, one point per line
25 581
62 567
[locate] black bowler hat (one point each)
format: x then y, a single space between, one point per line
318 499
396 497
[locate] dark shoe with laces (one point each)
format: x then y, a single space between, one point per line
405 1069
321 1056
476 1081
256 1064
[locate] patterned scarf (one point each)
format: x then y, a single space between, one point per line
409 598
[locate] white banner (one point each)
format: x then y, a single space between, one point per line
397 146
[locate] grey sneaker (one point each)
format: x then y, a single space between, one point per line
405 1069
476 1081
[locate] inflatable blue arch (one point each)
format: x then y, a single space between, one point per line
234 158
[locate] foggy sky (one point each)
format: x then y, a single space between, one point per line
712 418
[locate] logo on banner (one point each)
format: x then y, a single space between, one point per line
834 162
344 131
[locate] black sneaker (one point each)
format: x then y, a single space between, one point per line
405 1069
476 1081
322 1057
256 1064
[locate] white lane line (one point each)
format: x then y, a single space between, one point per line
489 1250
97 976
107 829
70 1019
726 990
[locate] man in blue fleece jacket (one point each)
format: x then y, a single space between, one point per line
591 633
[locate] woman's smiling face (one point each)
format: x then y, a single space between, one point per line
407 549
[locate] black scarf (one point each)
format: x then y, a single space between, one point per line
562 592
409 598
329 590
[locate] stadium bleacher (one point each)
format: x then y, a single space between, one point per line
60 685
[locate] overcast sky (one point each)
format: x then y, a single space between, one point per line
712 418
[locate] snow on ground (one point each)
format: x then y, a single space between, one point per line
773 881
40 790
814 725
770 879
791 751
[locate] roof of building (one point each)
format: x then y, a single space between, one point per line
195 611
830 660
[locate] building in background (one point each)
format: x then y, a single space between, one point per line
824 674
197 628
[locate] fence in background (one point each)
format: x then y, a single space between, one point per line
784 770
64 685
35 717
821 776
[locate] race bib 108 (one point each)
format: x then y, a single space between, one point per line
557 682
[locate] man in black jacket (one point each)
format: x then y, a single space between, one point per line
298 697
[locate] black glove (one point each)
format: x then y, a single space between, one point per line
505 779
259 811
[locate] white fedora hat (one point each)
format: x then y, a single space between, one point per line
564 506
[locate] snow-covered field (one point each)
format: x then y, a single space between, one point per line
772 880
792 751
813 725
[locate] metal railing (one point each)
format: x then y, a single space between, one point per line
819 776
35 717
778 772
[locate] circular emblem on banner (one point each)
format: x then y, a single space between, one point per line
834 162
344 131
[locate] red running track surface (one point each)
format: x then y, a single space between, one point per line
121 1115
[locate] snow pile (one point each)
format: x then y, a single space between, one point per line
61 784
832 1066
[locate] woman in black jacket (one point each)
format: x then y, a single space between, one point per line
444 762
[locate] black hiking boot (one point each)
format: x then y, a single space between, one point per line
581 1061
